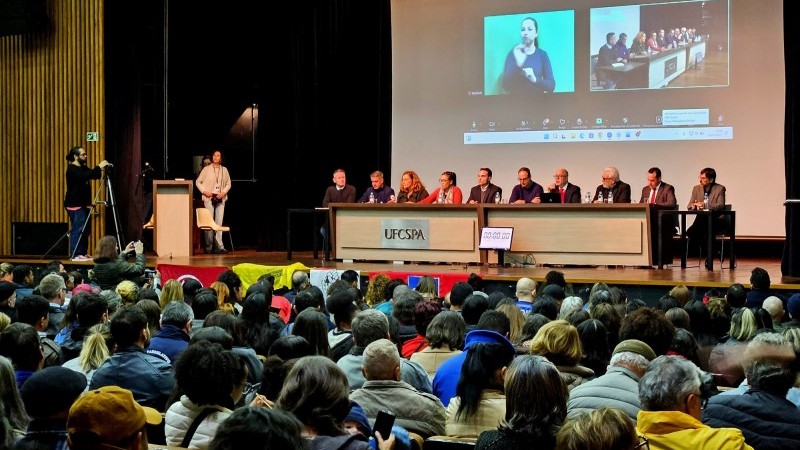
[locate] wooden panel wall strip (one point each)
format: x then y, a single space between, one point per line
52 91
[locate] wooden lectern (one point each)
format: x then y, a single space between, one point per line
173 213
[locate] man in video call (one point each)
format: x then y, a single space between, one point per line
606 56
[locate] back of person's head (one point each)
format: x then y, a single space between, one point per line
213 334
536 398
559 342
481 370
381 361
684 344
533 323
769 374
369 326
11 405
98 345
312 325
129 291
679 318
459 292
763 319
600 297
424 313
90 308
259 429
204 303
555 277
258 288
177 314
600 429
576 317
494 321
255 308
759 279
446 331
20 273
634 304
51 391
498 297
681 294
19 342
474 306
307 299
526 287
377 289
736 295
570 304
127 325
743 324
299 280
596 288
227 322
515 318
208 374
476 281
650 326
336 286
113 300
720 316
665 303
152 311
173 290
232 280
404 306
667 383
594 339
342 304
317 392
33 309
291 347
190 286
699 319
51 285
632 354
546 306
608 315
350 275
392 285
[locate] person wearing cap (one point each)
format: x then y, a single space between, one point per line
526 289
672 404
109 417
149 377
48 395
445 382
619 387
418 412
793 308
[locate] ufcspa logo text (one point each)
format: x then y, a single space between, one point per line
405 233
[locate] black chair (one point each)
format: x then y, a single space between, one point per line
722 234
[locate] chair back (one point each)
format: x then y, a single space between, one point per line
204 218
449 443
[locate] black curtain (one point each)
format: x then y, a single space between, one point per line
790 266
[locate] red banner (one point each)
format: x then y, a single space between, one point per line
444 281
206 275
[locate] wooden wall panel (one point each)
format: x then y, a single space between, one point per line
51 93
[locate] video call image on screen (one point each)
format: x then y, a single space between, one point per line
533 58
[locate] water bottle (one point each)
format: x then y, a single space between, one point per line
705 200
392 198
372 197
610 196
441 197
588 197
497 197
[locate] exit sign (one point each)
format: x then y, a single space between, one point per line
91 136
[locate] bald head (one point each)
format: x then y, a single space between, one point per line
525 289
774 307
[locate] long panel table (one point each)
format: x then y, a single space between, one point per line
596 234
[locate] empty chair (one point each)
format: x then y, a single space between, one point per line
205 222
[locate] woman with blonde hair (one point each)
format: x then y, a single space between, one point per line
639 46
224 301
601 429
6 272
427 287
98 346
517 320
376 290
128 291
560 343
173 290
411 188
681 294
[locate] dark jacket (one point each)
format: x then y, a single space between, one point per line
503 440
168 343
768 421
346 442
108 274
79 191
148 377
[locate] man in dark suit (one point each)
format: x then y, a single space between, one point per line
569 192
715 193
620 191
660 195
606 56
340 192
485 191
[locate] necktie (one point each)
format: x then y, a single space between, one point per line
652 196
562 192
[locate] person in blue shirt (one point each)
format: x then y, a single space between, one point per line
527 191
380 192
527 67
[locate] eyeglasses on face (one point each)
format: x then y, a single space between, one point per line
249 388
643 444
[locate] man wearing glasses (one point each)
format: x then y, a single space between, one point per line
569 192
620 192
672 404
527 191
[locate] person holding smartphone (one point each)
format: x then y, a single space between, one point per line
111 267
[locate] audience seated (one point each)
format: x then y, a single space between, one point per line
98 346
48 395
258 429
173 337
600 429
445 336
14 419
558 341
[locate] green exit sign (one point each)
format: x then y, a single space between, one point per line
91 136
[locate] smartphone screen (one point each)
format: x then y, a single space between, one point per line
384 423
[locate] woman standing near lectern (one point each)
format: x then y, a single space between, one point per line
214 182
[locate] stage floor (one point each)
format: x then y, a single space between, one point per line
721 277
693 276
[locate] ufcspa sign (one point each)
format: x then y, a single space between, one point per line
405 233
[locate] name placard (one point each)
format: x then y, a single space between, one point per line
405 233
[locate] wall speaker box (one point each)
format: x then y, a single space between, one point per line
36 238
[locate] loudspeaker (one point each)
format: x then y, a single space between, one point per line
36 238
22 16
